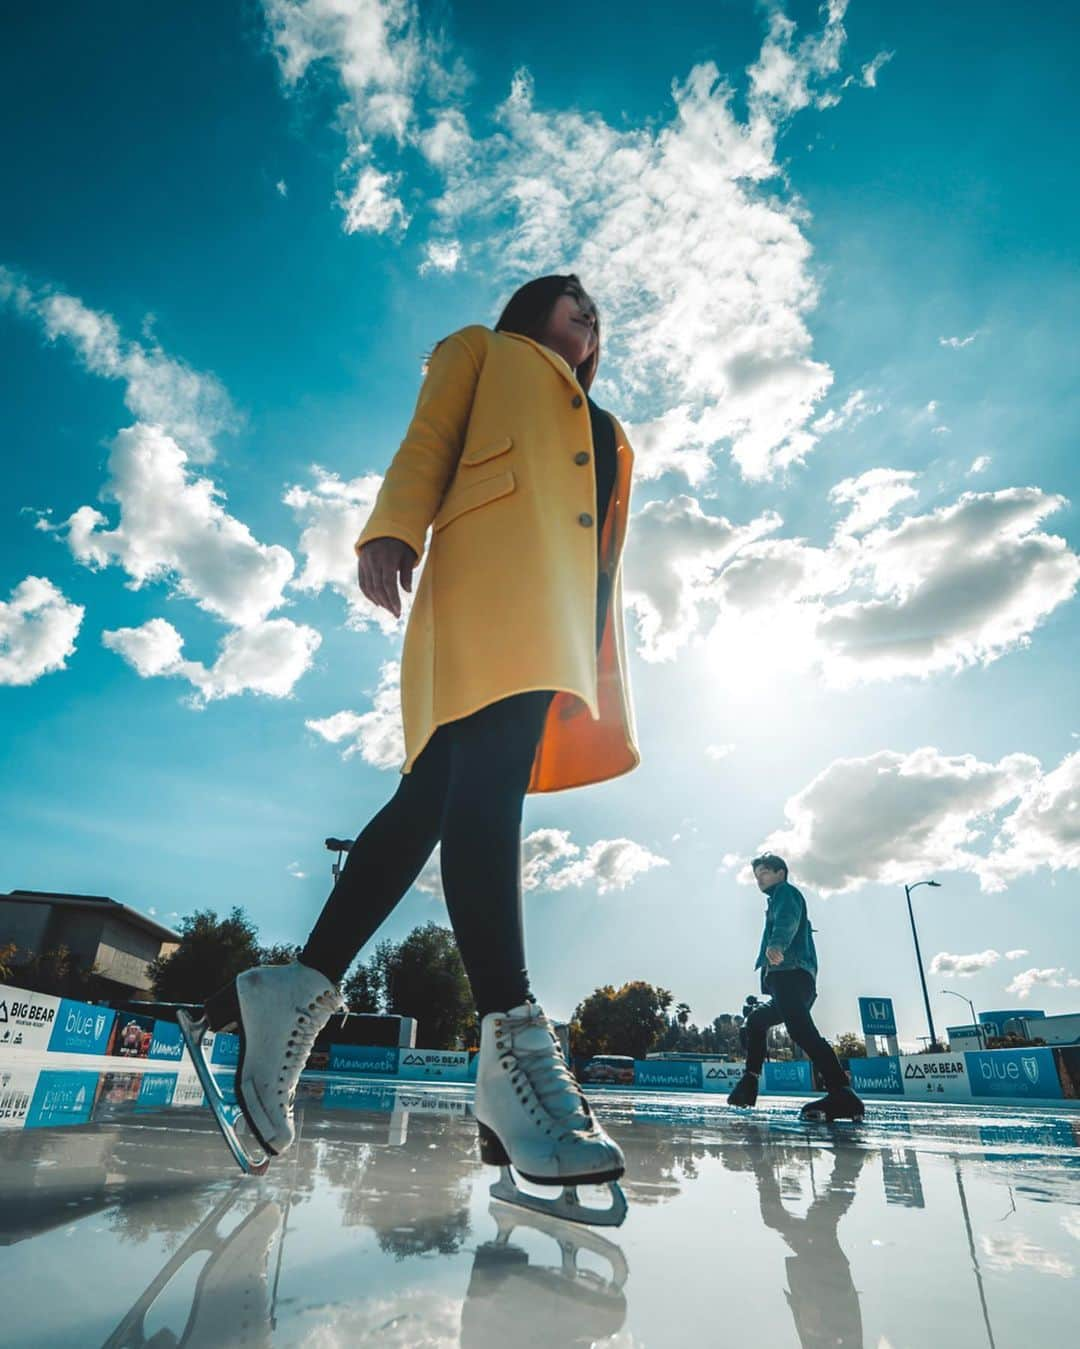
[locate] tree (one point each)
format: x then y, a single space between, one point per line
8 952
57 972
363 990
423 977
629 1020
849 1046
212 951
682 1013
281 954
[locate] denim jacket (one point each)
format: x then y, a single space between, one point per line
787 927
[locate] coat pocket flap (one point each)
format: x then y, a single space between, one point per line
469 497
491 450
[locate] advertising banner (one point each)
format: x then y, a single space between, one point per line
80 1028
876 1077
721 1076
155 1091
226 1050
166 1042
936 1077
878 1017
793 1076
1026 1073
448 1064
188 1089
134 1034
62 1097
16 1092
26 1019
380 1059
667 1073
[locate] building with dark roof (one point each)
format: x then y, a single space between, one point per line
116 942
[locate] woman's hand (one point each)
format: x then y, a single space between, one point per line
774 955
379 564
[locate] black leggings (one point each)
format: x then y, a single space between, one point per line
466 790
793 994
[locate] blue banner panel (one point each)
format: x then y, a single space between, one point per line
1020 1073
876 1077
226 1050
155 1091
793 1076
80 1028
167 1042
667 1073
878 1017
381 1059
62 1098
360 1096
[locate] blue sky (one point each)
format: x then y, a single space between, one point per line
833 254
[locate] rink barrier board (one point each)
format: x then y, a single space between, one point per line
42 1023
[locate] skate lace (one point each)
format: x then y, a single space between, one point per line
546 1072
309 1021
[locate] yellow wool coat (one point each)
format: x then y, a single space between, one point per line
498 460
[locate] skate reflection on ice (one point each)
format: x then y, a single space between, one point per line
511 1300
231 1299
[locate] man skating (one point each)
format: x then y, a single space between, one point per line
788 964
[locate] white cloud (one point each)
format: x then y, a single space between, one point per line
1026 980
1017 1250
441 255
719 752
703 277
38 627
854 410
979 464
958 342
964 967
871 69
1017 954
873 496
332 513
282 187
191 406
889 816
268 657
552 861
1044 830
377 736
294 869
173 527
942 591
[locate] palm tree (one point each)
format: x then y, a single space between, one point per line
682 1013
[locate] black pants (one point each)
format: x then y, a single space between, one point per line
466 791
793 993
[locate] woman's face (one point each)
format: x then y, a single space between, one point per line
571 327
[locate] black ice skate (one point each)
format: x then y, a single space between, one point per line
841 1103
745 1092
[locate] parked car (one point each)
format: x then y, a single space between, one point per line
608 1068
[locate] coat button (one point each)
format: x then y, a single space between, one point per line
585 519
575 402
581 457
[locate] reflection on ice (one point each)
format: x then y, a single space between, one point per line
923 1226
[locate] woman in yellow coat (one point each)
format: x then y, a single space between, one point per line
513 681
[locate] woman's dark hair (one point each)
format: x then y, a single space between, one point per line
529 307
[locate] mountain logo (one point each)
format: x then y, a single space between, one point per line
913 1070
3 1012
1030 1065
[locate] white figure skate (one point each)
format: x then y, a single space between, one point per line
533 1117
277 1010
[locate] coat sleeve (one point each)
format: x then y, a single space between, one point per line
417 478
785 918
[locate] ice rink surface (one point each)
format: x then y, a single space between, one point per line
124 1222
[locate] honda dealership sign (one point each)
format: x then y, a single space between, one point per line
878 1017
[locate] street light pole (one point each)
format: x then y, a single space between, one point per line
974 1018
934 1046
